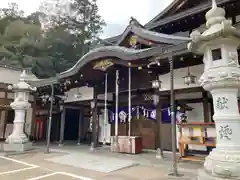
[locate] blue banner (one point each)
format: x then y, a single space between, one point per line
147 111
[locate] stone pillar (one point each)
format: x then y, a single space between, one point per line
18 141
221 78
62 127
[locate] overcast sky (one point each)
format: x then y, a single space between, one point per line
116 13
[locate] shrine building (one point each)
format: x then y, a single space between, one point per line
125 87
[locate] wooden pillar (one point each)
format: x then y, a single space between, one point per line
116 111
234 16
5 111
129 101
80 126
206 108
158 116
173 118
159 136
62 126
94 119
33 124
113 108
98 125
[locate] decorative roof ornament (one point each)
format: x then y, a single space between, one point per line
134 21
217 26
215 15
103 65
133 40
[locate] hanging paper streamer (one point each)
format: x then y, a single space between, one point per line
147 111
111 116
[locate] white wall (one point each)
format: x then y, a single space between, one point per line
86 94
178 78
196 115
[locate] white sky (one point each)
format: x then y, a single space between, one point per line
116 13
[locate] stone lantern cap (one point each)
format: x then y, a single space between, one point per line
22 85
217 26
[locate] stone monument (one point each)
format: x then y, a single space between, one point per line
18 141
221 77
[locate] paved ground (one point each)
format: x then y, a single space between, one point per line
38 165
33 166
93 162
144 159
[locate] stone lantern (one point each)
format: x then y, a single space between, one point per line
221 77
18 140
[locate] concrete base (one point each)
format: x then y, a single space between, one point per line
159 154
92 148
203 175
17 147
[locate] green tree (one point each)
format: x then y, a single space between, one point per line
20 43
47 42
59 51
11 11
79 17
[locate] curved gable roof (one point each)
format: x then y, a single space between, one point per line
165 11
152 36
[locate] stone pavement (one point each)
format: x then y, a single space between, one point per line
33 166
21 167
93 162
86 165
145 159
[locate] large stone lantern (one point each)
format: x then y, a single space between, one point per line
221 77
18 140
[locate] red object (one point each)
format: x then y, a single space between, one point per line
38 129
130 145
138 145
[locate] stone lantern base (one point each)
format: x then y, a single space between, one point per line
17 141
221 164
17 147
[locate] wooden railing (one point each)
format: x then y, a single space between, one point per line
197 134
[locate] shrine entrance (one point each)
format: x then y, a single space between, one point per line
128 74
135 82
71 124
